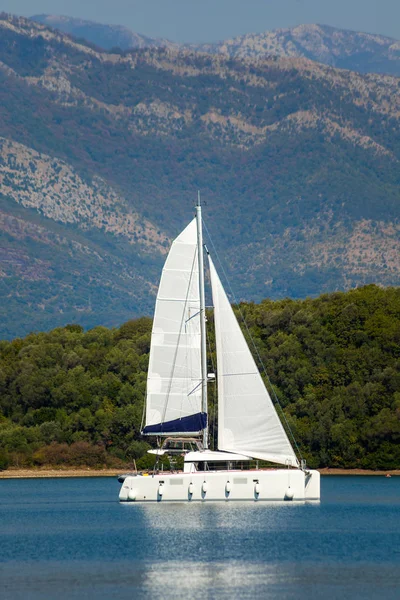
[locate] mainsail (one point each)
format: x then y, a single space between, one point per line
247 420
174 381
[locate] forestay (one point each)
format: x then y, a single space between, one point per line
247 420
173 403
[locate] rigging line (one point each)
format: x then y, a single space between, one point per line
189 365
254 344
194 389
192 317
178 340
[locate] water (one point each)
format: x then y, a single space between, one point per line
70 538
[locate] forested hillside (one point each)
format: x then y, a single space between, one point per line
70 397
102 154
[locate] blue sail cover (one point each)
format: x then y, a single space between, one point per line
191 424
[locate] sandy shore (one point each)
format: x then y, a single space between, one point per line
49 473
328 471
37 473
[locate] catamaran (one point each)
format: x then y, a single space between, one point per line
249 428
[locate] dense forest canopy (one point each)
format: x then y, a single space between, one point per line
75 397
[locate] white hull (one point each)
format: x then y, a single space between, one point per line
258 485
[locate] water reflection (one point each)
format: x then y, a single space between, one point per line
190 579
70 539
217 515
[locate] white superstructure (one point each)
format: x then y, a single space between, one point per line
249 428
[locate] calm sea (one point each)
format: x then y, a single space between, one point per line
70 538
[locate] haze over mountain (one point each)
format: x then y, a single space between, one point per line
364 52
103 36
340 48
102 154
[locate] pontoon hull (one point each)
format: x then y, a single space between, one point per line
269 485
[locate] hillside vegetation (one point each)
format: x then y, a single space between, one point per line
69 398
298 163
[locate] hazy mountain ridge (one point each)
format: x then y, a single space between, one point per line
377 92
298 163
102 35
358 51
354 50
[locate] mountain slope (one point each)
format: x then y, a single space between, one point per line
51 274
298 164
357 51
103 36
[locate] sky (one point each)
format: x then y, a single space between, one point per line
212 20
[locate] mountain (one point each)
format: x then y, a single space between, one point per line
357 51
363 52
103 36
102 154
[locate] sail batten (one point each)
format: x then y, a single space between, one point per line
247 420
174 375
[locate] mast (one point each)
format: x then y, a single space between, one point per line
202 317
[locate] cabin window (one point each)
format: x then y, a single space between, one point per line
225 465
212 466
181 446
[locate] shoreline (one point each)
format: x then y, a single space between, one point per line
58 473
365 472
74 472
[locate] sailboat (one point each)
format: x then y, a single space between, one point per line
249 428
